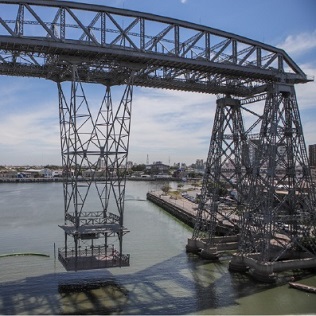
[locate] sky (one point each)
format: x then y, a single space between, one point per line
167 126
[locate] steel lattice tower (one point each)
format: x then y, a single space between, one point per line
227 164
94 155
278 222
274 214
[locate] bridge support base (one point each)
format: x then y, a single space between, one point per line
192 246
206 251
262 272
209 253
267 271
237 264
200 247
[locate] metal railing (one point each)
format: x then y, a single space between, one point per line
92 258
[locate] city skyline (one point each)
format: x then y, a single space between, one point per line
166 125
129 162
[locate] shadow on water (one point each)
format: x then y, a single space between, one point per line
181 285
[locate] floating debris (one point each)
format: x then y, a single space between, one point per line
24 254
303 287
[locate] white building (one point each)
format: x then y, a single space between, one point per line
8 173
42 173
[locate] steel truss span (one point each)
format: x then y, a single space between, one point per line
40 38
273 212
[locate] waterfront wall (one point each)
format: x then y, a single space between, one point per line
177 211
30 180
60 179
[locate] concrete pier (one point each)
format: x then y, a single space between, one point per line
186 211
267 271
213 252
182 209
262 271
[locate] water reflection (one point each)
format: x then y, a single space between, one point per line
180 285
162 278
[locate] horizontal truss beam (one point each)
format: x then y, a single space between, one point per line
179 54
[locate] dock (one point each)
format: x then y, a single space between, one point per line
186 211
182 209
224 243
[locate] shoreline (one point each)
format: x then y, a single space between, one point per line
50 180
183 210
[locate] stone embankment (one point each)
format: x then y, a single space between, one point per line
266 272
182 209
30 180
60 179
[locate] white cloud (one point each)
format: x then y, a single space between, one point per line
183 1
309 131
306 99
22 128
306 93
300 43
171 124
165 123
27 137
29 126
303 46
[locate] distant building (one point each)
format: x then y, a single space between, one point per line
199 164
158 168
8 173
46 173
312 155
313 172
90 173
129 165
38 173
180 174
101 164
180 165
57 173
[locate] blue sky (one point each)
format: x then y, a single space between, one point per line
167 126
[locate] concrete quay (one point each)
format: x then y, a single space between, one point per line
266 272
30 180
186 211
182 209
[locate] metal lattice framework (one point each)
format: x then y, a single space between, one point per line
228 164
283 200
278 226
94 155
38 36
82 43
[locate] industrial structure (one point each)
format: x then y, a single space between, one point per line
73 44
312 155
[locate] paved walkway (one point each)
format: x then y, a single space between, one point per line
186 205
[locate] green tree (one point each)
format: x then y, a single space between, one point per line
180 185
222 191
165 189
141 167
